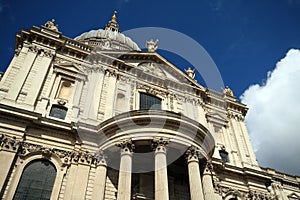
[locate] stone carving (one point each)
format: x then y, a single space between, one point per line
151 45
159 144
152 91
67 157
100 158
153 69
228 91
50 25
9 143
126 145
247 195
192 154
190 72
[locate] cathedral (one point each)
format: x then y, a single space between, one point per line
97 118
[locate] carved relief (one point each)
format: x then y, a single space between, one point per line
159 144
9 143
153 69
126 146
192 154
154 91
151 45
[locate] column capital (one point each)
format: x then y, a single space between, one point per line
126 146
100 159
192 154
159 144
208 168
9 143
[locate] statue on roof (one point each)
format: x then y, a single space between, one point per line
151 45
228 91
50 25
190 72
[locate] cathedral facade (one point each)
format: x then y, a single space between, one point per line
97 118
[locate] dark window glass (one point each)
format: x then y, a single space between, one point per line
36 181
224 155
59 112
148 102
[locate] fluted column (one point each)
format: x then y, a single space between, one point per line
161 174
124 184
208 188
194 173
100 177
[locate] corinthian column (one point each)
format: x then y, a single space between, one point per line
124 185
161 174
194 173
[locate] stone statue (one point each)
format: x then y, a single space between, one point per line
190 72
228 91
51 25
151 45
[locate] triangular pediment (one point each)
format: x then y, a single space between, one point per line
156 65
70 66
70 69
217 118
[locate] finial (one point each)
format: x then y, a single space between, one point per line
114 17
190 72
113 24
151 45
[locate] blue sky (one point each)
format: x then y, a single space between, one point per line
245 38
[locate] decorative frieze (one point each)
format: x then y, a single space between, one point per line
152 90
67 157
9 143
247 195
236 116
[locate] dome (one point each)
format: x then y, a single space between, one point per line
109 38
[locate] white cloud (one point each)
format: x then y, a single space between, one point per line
273 119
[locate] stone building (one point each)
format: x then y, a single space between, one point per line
97 118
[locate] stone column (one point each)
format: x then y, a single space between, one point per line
208 188
124 184
194 173
100 178
161 174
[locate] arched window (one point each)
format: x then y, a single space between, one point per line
36 181
148 101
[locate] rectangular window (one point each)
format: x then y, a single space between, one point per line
149 102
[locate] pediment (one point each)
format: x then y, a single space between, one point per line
217 118
70 66
157 66
70 69
293 196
